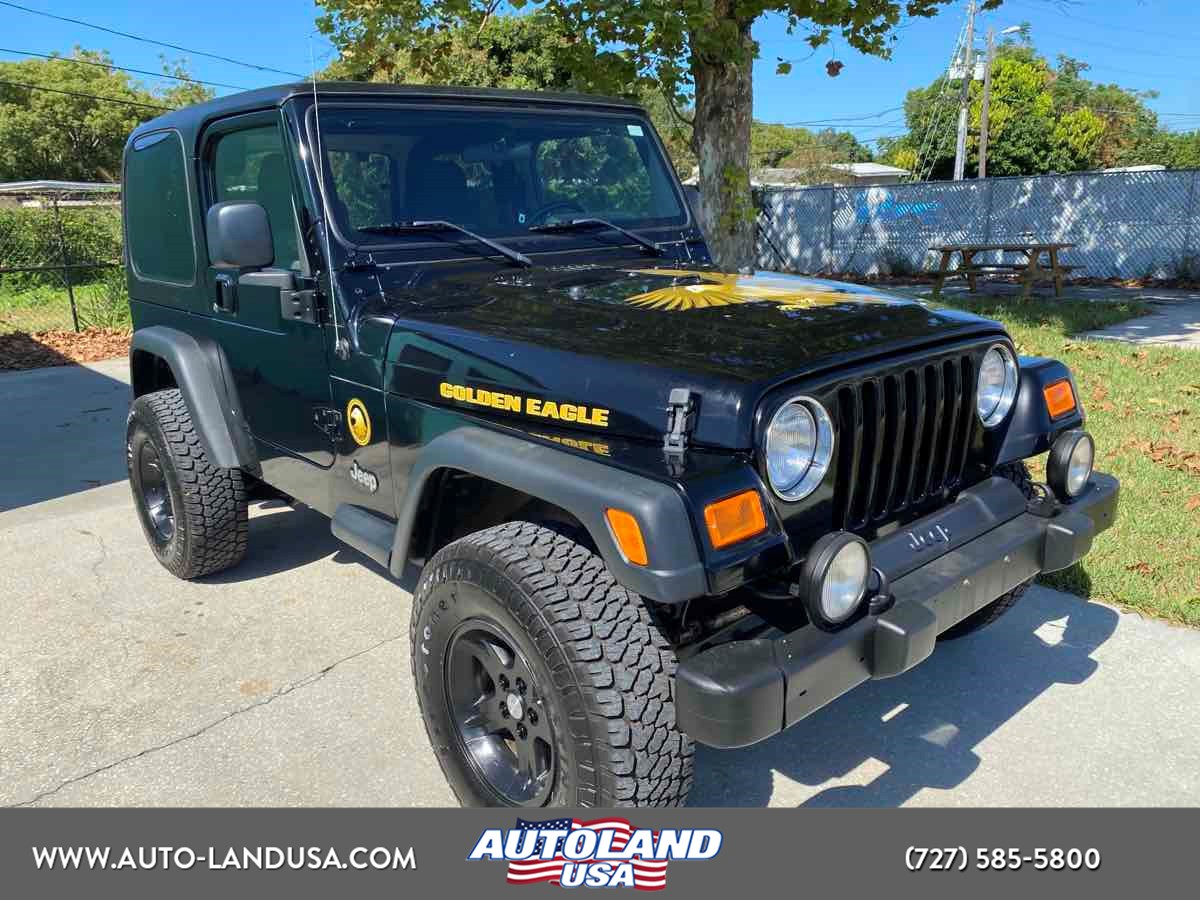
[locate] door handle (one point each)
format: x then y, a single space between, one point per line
226 294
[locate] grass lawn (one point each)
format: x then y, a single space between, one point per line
47 308
1143 408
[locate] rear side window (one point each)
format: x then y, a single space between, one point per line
158 220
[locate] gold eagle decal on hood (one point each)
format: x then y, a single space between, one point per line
720 289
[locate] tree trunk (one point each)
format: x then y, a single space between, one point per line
724 111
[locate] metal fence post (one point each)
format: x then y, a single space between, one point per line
66 262
987 210
1189 233
829 246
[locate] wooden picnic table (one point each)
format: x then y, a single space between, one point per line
1029 269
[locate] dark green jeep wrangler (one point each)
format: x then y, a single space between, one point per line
649 502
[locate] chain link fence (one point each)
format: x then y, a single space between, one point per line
1123 224
60 257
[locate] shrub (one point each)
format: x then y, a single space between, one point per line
105 303
1184 267
897 264
29 236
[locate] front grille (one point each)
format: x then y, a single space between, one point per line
902 439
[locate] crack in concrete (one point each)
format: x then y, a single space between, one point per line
103 553
307 681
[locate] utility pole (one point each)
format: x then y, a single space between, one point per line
987 97
964 96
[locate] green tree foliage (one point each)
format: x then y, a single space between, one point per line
46 134
694 54
1184 150
1043 118
811 153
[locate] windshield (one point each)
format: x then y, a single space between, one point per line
495 171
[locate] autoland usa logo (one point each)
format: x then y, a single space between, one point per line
600 853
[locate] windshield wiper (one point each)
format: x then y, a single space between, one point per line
581 224
441 225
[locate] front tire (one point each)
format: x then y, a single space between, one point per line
541 681
194 514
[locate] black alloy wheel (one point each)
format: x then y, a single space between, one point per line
499 713
155 496
194 514
541 681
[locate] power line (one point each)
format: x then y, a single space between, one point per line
1107 68
38 87
874 115
1191 57
145 40
102 65
1109 26
927 144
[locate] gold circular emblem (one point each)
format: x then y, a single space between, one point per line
358 422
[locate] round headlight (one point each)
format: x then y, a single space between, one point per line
798 448
1069 465
997 385
834 579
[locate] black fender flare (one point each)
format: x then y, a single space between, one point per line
1030 430
203 376
584 488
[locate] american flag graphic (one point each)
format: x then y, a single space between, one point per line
648 874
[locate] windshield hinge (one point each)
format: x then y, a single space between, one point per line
681 415
299 306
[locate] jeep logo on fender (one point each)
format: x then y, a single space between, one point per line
923 539
364 479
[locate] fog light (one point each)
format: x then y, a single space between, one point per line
834 579
1070 464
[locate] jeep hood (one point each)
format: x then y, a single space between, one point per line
620 338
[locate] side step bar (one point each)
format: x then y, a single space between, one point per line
365 531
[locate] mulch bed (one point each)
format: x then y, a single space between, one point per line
61 348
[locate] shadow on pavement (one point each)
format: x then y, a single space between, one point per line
920 730
283 537
917 731
62 430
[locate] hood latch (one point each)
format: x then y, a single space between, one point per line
681 419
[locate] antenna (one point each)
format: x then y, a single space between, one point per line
341 346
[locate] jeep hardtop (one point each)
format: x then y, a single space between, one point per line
644 502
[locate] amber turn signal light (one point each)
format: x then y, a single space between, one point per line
734 519
628 535
1060 399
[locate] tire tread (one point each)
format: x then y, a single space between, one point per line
598 639
214 499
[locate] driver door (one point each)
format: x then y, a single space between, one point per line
278 358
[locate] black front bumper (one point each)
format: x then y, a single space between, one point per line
744 691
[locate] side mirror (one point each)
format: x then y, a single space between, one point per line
239 236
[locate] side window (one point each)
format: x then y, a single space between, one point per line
157 215
251 166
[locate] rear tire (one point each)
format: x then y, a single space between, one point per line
563 641
1018 473
194 514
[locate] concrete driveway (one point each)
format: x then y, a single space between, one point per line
286 681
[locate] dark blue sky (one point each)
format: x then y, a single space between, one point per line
1146 44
